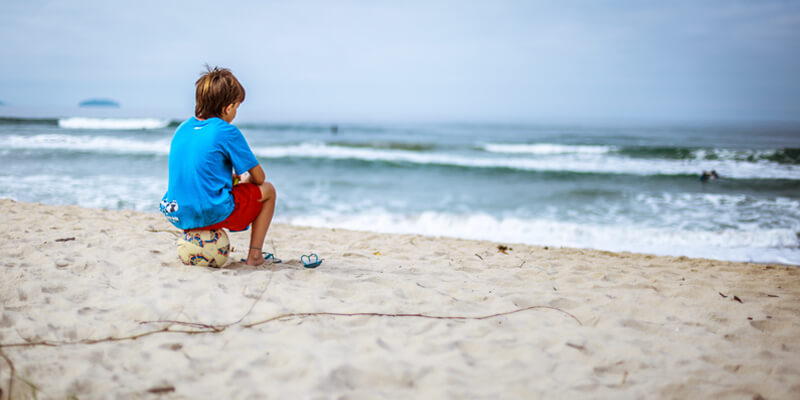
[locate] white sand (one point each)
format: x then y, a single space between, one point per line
647 326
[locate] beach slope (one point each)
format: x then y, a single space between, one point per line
96 304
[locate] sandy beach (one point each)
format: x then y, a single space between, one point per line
96 304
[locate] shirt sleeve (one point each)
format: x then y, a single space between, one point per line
235 145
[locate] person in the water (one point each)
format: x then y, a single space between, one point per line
706 176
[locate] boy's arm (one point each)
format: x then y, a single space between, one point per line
257 175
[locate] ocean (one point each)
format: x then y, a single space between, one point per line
617 187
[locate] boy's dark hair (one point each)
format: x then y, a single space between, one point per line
216 89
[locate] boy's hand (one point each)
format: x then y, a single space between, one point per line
243 178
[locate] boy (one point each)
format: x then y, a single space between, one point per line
204 151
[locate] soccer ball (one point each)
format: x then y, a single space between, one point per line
204 247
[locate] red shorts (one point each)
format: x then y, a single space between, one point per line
246 198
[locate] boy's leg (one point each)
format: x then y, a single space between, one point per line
261 224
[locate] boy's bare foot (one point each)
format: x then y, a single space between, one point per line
257 257
255 263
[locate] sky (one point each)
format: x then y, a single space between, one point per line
413 61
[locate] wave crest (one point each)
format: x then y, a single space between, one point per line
113 123
568 162
545 148
100 144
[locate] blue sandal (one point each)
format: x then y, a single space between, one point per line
267 257
311 260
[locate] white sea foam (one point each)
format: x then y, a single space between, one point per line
105 144
765 245
113 123
571 162
544 148
730 239
733 154
101 191
709 211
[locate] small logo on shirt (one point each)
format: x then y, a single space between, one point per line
168 208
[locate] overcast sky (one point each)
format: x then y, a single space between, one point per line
495 61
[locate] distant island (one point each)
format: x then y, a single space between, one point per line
98 103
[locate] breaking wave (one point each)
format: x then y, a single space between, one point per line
113 123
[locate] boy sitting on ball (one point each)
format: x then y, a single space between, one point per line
205 151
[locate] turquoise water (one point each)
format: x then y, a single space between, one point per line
613 187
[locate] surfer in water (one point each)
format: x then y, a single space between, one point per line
707 176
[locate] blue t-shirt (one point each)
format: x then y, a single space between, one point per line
201 157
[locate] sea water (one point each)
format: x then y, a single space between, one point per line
631 187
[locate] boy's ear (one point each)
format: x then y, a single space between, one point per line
227 110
